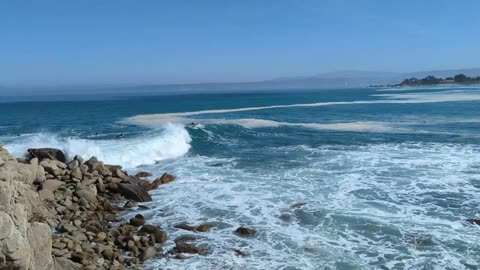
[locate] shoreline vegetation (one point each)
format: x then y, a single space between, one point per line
431 80
67 214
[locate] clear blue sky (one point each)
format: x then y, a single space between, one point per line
129 42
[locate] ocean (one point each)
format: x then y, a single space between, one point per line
388 176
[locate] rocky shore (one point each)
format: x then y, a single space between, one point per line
66 214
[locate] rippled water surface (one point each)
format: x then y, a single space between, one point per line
388 176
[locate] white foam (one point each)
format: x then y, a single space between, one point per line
363 204
170 141
153 120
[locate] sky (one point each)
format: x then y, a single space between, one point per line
122 42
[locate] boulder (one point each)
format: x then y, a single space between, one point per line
77 173
94 165
137 221
47 153
188 248
159 235
243 231
143 174
298 205
52 185
185 227
120 174
79 159
25 237
73 164
239 253
129 204
46 195
62 263
134 193
166 178
204 227
87 195
148 253
200 228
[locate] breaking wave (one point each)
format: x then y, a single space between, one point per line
170 141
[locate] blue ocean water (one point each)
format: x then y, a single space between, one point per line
388 175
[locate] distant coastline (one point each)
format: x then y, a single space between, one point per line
432 80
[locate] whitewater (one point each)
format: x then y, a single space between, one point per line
388 176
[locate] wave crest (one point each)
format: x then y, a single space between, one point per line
170 141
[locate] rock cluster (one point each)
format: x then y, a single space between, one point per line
77 201
60 214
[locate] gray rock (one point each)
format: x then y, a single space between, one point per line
148 253
134 193
120 174
34 161
87 195
79 159
73 164
46 195
52 185
77 173
48 153
62 263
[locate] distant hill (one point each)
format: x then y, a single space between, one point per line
471 72
432 80
337 79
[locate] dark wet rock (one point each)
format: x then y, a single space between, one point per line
183 247
129 204
82 258
180 256
134 193
46 153
147 228
159 236
185 238
216 165
243 231
143 174
166 178
286 216
204 227
185 227
239 253
62 263
473 221
200 228
137 221
298 205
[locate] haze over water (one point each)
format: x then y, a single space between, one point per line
388 175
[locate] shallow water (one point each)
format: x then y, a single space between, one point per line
388 175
